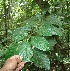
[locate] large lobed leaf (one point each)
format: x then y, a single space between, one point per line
22 49
20 33
11 50
49 30
40 43
52 19
25 51
41 60
50 26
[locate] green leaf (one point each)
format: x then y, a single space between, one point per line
50 26
41 60
20 33
52 19
22 49
32 21
11 50
25 51
40 43
49 30
52 42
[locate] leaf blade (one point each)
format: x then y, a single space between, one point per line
41 60
40 43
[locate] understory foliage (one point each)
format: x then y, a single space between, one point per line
36 31
36 39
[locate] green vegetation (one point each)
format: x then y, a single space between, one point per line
38 31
